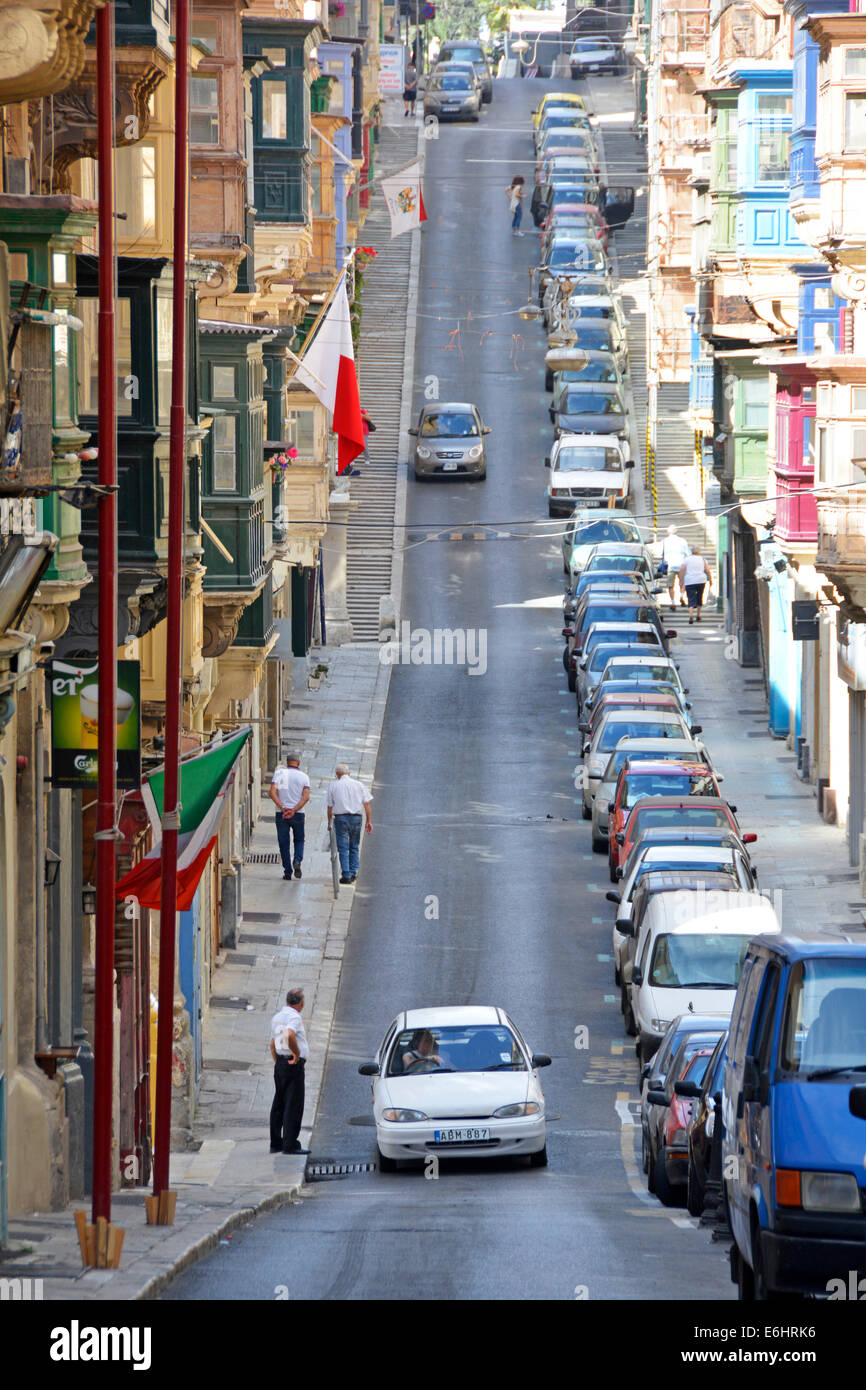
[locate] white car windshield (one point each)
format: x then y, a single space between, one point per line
595 459
473 1047
699 961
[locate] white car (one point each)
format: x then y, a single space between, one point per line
587 469
586 529
623 723
690 956
655 750
457 1082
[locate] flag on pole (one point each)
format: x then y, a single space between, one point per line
205 781
327 369
405 200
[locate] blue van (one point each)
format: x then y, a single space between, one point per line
794 1114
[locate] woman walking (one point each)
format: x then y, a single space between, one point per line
514 194
410 89
694 577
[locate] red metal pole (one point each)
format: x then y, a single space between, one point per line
174 615
103 1031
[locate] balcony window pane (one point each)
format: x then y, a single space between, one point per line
225 468
858 399
128 386
855 121
774 148
731 162
855 62
273 109
316 178
276 55
61 373
136 190
163 358
205 30
773 105
756 396
224 383
301 431
204 121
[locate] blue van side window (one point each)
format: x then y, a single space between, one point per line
746 995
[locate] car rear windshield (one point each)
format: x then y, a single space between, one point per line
619 755
701 961
475 1047
448 425
451 82
640 784
825 1016
596 532
577 402
599 657
615 729
599 371
616 562
681 815
664 673
594 333
597 460
466 53
577 254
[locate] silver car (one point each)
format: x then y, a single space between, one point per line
450 440
453 94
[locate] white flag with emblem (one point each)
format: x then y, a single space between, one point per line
402 193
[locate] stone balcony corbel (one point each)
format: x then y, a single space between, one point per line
222 614
42 47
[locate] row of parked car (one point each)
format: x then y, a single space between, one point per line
750 1042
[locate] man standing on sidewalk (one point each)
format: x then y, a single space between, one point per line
347 800
675 552
290 792
290 1052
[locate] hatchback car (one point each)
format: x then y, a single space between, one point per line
595 54
457 1082
654 1073
704 1133
452 95
667 811
658 750
550 100
596 407
615 639
617 724
450 439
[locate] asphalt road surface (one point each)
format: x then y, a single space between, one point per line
475 808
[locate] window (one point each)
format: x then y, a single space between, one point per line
731 162
163 358
61 373
855 62
273 109
774 153
825 1015
821 473
755 399
136 190
773 106
823 298
336 98
225 466
855 121
204 121
301 432
858 447
205 31
128 386
858 399
316 185
224 383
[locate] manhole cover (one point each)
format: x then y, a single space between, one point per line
262 916
239 958
319 1170
225 1064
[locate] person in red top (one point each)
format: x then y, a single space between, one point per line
368 428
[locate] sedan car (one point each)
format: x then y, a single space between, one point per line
450 439
654 1072
457 1082
598 407
616 639
704 1133
562 118
547 196
671 810
592 468
619 724
595 54
452 95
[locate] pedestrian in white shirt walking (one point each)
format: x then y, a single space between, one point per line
675 550
348 799
290 792
290 1052
694 576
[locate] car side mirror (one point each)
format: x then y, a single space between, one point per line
413 430
671 633
547 460
750 837
568 632
629 463
485 429
857 1101
368 1069
586 747
690 1089
613 897
697 728
582 724
620 837
540 1059
655 1097
731 808
636 975
625 926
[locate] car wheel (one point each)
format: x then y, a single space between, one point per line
586 811
572 679
386 1165
548 379
599 844
666 1194
481 477
629 1024
539 1159
649 1165
617 978
761 1292
743 1277
694 1195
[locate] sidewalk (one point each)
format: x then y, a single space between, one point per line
291 934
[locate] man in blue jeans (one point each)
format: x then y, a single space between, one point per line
348 800
290 792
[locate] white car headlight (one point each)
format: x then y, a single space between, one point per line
829 1192
476 451
602 804
524 1107
422 452
595 766
659 1025
404 1117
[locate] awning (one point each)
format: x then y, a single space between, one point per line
760 513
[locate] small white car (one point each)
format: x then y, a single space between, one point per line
587 469
457 1082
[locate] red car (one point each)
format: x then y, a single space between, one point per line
669 1173
669 810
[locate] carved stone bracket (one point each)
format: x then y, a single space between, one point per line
221 618
42 48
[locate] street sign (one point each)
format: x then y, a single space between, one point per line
74 712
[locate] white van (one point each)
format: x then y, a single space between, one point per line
689 954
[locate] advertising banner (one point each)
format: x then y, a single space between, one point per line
74 714
392 65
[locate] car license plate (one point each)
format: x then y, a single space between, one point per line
451 106
449 467
460 1136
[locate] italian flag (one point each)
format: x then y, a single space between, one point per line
205 781
328 370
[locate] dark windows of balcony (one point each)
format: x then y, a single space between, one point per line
204 31
276 55
224 383
204 119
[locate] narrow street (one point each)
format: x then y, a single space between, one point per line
474 808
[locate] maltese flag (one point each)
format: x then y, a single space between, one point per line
328 370
405 200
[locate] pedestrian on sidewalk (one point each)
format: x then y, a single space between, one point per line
369 428
290 1052
410 89
694 576
514 194
675 552
290 792
347 800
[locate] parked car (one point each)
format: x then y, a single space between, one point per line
681 965
452 95
450 439
550 195
567 255
643 668
621 555
593 407
665 811
556 99
687 839
567 140
617 724
561 118
595 54
794 1113
616 639
704 1133
469 1089
586 530
607 581
654 1072
643 780
608 620
467 51
630 697
577 308
591 468
670 1113
659 750
574 216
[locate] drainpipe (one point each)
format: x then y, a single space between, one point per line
103 1031
174 622
357 106
39 835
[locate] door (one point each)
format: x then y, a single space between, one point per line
190 957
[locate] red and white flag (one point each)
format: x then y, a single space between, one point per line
402 192
328 370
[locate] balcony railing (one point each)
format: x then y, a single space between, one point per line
701 386
842 532
796 508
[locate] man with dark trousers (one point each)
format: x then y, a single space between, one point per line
290 792
290 1052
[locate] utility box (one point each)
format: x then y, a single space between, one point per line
804 620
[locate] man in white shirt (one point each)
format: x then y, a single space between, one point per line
674 552
347 800
290 792
290 1052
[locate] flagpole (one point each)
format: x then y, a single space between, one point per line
161 1204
